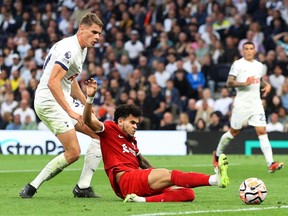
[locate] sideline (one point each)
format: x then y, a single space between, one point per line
212 211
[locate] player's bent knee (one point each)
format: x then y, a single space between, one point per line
189 194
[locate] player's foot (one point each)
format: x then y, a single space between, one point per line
84 193
275 166
28 191
133 198
215 162
222 176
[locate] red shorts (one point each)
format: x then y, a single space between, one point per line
136 182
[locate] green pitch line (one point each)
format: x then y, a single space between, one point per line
250 144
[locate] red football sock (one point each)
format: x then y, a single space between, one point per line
189 179
173 195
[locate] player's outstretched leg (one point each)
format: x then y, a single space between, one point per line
28 191
275 166
222 177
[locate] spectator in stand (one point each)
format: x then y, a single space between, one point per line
182 44
274 124
191 60
237 29
204 112
119 50
28 124
206 95
25 110
231 52
143 66
172 99
183 123
223 103
284 96
150 39
5 119
167 122
134 47
200 125
281 39
181 83
157 103
221 24
282 60
161 74
101 49
191 110
9 104
283 117
125 68
142 101
15 80
277 79
270 61
216 123
15 124
16 63
171 65
164 42
196 79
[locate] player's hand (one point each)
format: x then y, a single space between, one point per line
77 117
249 81
266 90
91 87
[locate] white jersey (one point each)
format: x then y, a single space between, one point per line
247 97
70 56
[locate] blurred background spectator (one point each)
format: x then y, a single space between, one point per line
161 55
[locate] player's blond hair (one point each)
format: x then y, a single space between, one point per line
91 18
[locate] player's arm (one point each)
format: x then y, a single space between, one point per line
144 163
90 119
232 82
77 93
54 84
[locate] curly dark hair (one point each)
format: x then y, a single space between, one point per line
124 110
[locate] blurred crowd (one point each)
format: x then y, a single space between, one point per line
171 57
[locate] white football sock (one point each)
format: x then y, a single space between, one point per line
213 180
92 159
223 143
266 148
53 168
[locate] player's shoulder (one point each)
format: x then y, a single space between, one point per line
69 44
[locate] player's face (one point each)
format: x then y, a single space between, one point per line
249 52
91 34
129 125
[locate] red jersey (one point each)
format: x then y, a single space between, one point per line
119 152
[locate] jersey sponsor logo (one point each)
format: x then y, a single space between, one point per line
127 149
121 137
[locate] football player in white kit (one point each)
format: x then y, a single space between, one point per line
245 76
55 105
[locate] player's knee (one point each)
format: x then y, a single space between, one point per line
189 194
73 155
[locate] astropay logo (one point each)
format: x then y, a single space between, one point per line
14 146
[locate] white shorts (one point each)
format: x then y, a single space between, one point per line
55 118
255 118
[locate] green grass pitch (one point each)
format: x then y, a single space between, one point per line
55 197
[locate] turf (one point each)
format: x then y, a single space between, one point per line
55 197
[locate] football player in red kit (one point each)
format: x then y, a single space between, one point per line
131 176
